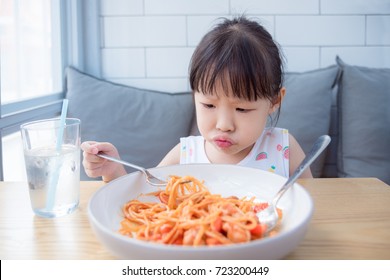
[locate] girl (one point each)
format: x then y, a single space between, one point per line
236 78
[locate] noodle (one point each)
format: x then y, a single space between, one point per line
189 214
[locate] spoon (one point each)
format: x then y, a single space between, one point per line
154 181
269 216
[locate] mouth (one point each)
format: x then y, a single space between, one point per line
223 142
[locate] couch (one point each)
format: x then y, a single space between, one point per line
349 103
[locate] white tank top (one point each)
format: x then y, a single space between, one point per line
270 152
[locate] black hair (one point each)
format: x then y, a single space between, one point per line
242 56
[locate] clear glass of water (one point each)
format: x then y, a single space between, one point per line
52 157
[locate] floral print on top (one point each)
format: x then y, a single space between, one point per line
270 152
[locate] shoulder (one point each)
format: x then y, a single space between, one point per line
293 142
295 149
296 157
172 157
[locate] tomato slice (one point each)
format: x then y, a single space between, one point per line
260 206
259 229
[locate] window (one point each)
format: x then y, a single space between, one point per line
38 39
30 49
31 72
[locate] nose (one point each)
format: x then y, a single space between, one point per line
225 122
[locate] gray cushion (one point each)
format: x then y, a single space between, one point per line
144 125
364 124
330 164
306 108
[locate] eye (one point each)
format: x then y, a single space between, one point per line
242 110
208 106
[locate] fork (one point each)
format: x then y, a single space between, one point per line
154 181
269 216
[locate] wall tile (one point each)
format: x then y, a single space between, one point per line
355 6
121 7
123 63
198 26
159 37
168 62
274 7
378 57
188 7
299 59
378 30
144 31
320 30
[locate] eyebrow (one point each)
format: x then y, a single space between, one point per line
233 99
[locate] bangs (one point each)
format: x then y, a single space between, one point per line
237 78
238 62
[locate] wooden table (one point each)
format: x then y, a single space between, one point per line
351 221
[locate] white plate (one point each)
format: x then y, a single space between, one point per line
104 212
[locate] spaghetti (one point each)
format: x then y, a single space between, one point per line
189 214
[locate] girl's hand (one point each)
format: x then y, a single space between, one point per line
95 166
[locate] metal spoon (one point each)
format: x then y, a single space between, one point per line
269 215
154 181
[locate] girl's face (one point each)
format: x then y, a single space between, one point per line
230 125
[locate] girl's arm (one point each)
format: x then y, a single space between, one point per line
296 157
173 157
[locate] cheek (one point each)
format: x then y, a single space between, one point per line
202 120
256 124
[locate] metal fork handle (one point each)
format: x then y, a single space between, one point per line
321 143
143 170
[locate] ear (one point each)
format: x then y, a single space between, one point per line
278 100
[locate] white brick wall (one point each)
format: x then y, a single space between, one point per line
149 43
